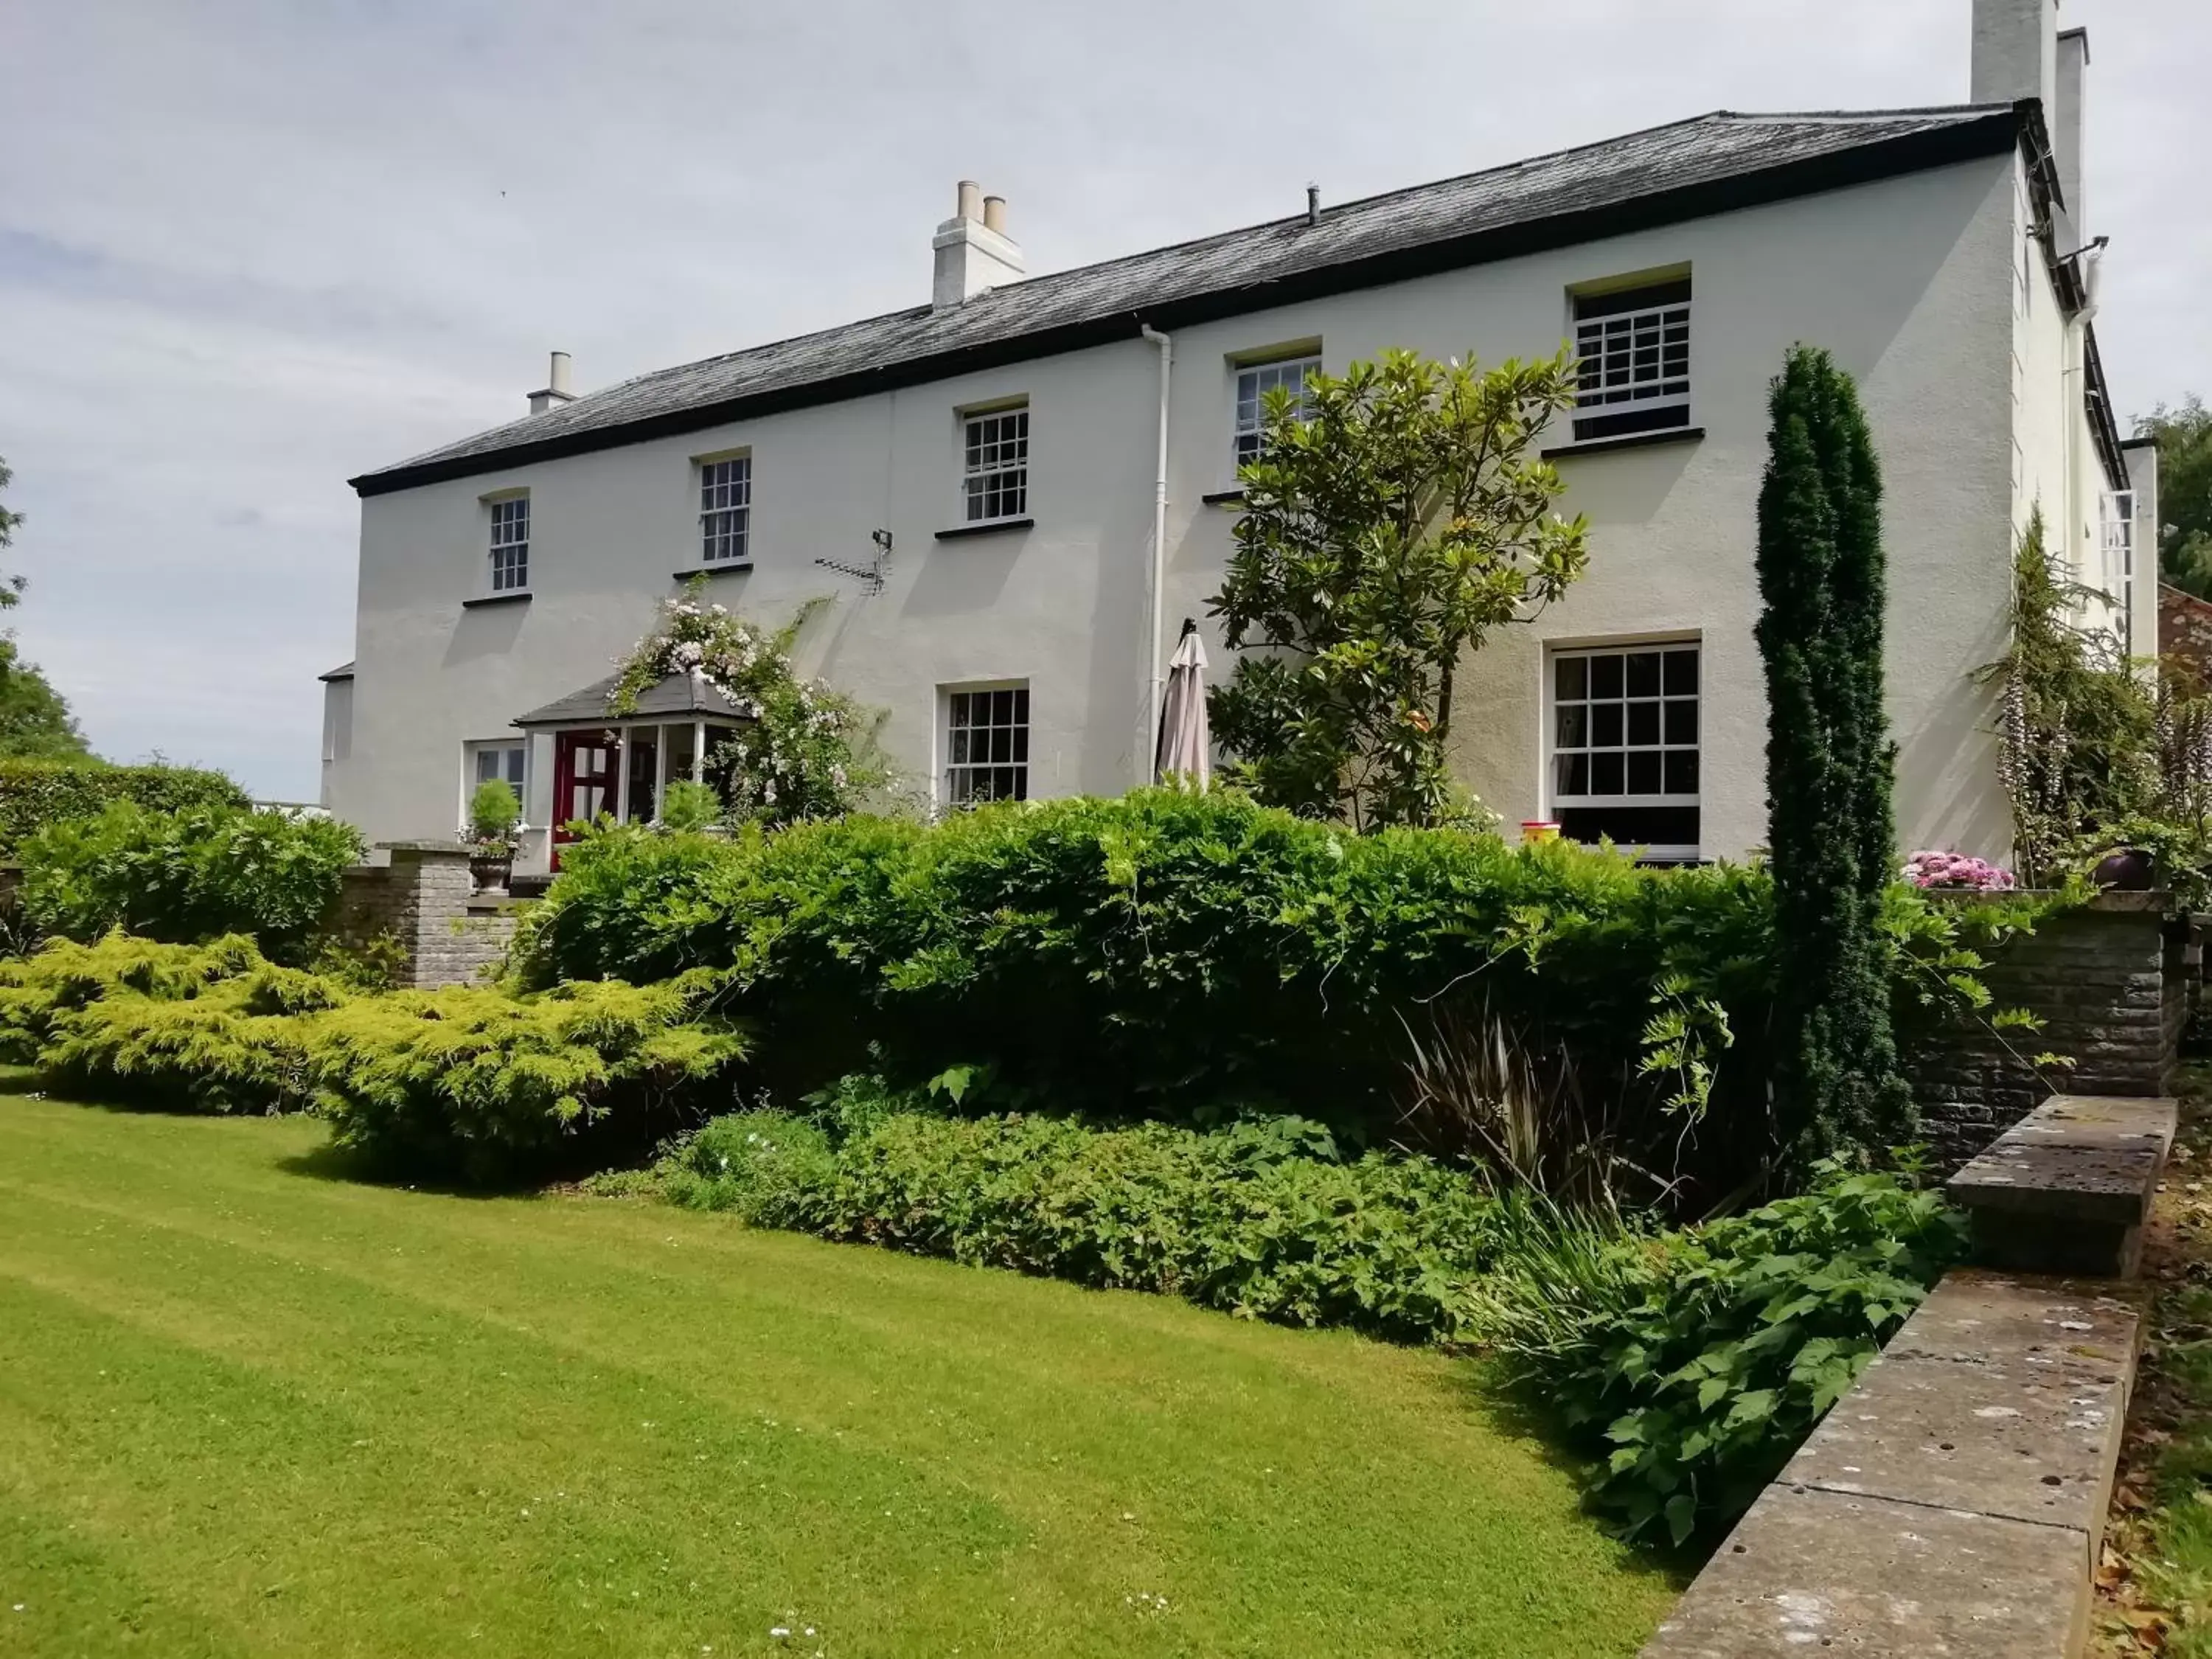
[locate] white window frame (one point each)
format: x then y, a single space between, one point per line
509 546
995 463
1629 363
725 510
1556 747
956 776
2117 524
1247 409
472 773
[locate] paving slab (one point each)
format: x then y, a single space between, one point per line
2009 1402
1809 1571
2108 1186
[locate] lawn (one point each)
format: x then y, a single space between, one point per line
247 1408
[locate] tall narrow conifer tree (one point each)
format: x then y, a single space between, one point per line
1830 764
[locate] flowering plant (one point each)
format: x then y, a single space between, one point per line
1932 868
802 750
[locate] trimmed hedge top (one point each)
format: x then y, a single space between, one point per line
35 794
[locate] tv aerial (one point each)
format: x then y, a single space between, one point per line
871 574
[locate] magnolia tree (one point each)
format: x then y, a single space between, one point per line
803 750
1394 517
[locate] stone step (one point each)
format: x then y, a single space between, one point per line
2067 1189
1952 1503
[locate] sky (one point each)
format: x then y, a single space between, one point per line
250 250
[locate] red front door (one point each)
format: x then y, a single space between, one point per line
583 781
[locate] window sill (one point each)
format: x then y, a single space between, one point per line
512 596
720 567
991 527
1224 498
1673 434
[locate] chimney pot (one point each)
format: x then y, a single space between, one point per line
971 251
555 392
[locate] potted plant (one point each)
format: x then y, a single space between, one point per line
690 808
493 811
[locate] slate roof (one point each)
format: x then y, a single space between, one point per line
675 695
1712 163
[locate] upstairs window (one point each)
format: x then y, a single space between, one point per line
1624 746
1253 385
510 543
996 470
726 508
986 734
1633 368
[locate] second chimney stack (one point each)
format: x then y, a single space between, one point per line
973 252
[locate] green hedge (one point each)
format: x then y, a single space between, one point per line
467 1082
35 793
1165 952
187 876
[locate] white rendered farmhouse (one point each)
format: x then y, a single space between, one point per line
1014 495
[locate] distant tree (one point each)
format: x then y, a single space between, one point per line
35 722
1395 516
2184 493
1830 763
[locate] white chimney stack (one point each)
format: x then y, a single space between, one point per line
556 390
972 250
2066 130
2016 51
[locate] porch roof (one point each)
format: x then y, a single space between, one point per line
674 697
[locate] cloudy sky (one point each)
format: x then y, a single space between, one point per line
249 250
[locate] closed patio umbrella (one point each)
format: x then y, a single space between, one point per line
1185 746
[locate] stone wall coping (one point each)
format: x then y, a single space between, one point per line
1953 1499
421 848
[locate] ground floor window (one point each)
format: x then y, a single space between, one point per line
1625 760
987 743
504 758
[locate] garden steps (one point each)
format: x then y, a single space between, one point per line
1952 1503
2069 1188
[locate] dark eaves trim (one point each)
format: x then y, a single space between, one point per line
1224 498
520 596
725 567
1673 434
2097 396
1991 134
961 531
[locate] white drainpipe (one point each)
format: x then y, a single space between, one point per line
1155 684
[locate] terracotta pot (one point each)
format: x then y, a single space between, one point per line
2129 870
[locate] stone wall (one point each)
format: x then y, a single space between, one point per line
2109 984
425 901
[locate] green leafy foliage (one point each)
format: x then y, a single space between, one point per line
35 794
1394 517
2183 435
805 750
1698 1361
1264 1219
493 811
189 875
1830 762
1181 956
686 807
466 1082
469 1081
2079 733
